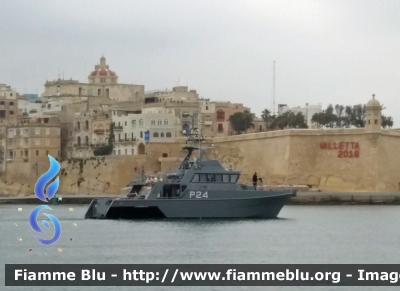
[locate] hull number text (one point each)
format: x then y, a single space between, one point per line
198 194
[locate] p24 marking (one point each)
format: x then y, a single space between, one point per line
198 194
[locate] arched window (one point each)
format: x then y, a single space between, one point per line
165 121
79 141
86 140
153 122
162 134
86 124
140 122
134 122
168 134
107 92
78 125
80 91
159 122
155 134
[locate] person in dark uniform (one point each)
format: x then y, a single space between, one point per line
255 181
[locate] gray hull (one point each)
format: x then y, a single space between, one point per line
256 207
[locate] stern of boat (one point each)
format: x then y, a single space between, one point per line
98 208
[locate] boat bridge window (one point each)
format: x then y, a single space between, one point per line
218 178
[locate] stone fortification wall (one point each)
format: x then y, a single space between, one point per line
331 160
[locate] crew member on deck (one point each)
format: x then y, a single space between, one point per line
255 181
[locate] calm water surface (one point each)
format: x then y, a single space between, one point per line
303 234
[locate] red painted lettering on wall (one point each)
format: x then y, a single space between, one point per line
345 149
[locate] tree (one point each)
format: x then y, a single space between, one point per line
240 121
266 116
386 121
288 119
106 150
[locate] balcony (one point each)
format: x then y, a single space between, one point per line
127 140
99 131
118 127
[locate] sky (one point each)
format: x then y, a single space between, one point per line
329 52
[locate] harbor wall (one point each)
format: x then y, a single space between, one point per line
335 160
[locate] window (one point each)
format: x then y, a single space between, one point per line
168 134
126 151
162 134
26 153
234 178
225 178
140 122
220 127
37 152
37 130
206 107
159 122
126 123
47 130
1 102
107 92
114 152
195 178
218 178
126 136
47 141
133 151
11 103
203 177
141 134
165 121
153 122
11 112
376 121
220 115
119 152
210 177
155 134
133 122
98 92
22 153
80 91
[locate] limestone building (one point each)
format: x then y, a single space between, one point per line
102 85
32 139
135 128
91 130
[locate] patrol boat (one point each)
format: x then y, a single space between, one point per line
198 188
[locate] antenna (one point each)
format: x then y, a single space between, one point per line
273 90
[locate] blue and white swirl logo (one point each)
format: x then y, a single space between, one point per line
50 192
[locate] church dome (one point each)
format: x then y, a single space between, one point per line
373 102
102 70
